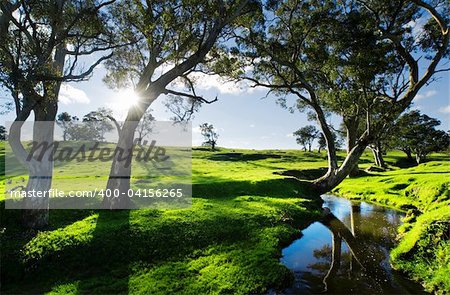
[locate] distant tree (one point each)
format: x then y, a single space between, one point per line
432 141
145 125
101 121
306 136
322 142
64 120
416 133
86 131
209 134
2 132
5 106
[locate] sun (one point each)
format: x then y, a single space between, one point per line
127 98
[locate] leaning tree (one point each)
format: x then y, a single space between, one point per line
46 43
372 73
170 40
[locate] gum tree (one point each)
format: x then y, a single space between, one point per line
2 132
46 43
417 133
145 126
209 135
306 136
304 54
171 39
64 121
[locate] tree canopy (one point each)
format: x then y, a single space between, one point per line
352 58
306 136
415 132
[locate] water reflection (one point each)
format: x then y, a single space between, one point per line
347 252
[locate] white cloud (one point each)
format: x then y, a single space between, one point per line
252 125
289 135
69 95
427 94
445 110
207 82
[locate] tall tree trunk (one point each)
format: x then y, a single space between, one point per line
120 173
408 153
420 157
331 147
375 158
334 174
351 126
41 172
36 209
379 158
377 152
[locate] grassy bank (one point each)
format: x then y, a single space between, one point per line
246 206
423 251
230 240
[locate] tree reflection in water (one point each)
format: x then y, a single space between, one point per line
347 252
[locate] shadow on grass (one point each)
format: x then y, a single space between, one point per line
241 157
86 251
115 246
93 250
405 163
65 254
276 188
307 174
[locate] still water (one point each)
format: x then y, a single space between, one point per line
347 252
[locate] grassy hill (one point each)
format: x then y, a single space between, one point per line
247 205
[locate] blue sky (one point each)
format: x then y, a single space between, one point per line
243 116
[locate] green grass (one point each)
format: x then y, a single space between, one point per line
244 211
230 241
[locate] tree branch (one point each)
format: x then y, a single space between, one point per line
70 77
192 96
